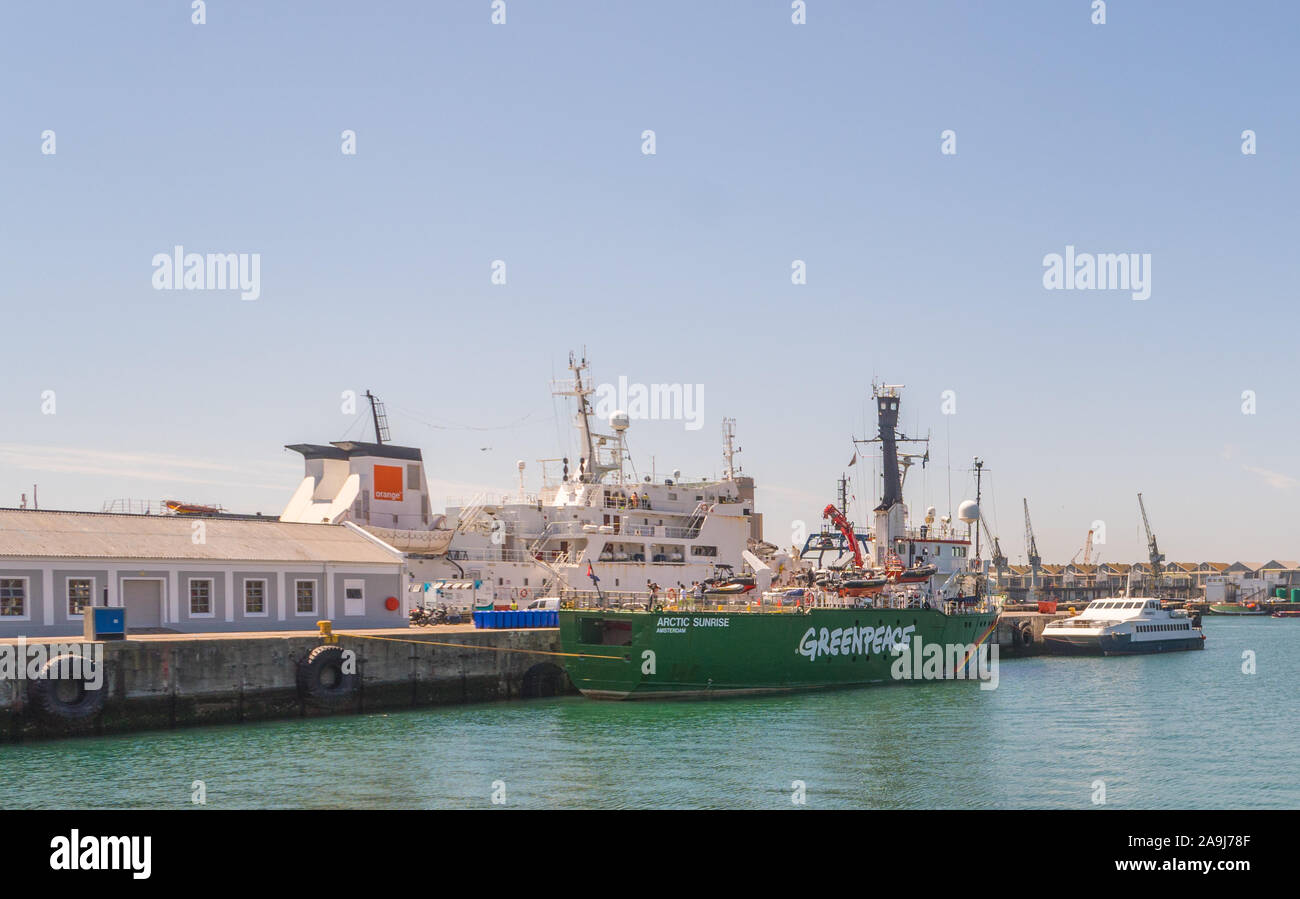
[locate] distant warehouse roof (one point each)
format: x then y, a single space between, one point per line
95 535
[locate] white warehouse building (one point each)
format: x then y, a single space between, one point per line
191 574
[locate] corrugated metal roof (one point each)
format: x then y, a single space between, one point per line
92 535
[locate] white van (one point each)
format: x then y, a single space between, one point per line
547 604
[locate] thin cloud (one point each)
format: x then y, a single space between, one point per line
140 466
1274 479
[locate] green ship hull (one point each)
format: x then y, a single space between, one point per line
682 654
1232 608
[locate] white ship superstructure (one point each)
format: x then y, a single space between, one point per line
516 547
931 559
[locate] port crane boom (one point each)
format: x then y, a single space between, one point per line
1154 554
999 559
1087 550
1031 550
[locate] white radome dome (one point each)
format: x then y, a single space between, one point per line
968 511
619 421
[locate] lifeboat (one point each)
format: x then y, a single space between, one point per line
863 583
918 574
176 507
730 586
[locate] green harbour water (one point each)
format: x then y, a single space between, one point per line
1184 730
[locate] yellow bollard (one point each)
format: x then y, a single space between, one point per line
327 632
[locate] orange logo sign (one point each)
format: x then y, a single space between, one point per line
388 482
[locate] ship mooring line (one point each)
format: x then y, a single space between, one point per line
980 641
535 652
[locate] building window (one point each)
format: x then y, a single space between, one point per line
305 597
81 590
254 597
200 597
13 597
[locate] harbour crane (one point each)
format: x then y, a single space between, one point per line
1087 550
999 559
1154 555
1031 550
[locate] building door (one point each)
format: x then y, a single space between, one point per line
143 602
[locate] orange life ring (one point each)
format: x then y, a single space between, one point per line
672 592
523 594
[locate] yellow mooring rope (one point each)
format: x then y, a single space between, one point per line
535 652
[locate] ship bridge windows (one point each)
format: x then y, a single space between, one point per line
623 552
667 552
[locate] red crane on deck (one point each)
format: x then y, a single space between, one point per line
838 519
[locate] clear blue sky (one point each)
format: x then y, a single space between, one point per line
775 142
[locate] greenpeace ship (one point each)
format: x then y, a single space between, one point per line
830 632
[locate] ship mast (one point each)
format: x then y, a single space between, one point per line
729 449
379 417
979 510
591 469
889 523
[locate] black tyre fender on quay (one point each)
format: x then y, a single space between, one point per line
321 677
1026 634
66 698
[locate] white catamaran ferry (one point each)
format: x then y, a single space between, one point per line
1124 625
592 516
